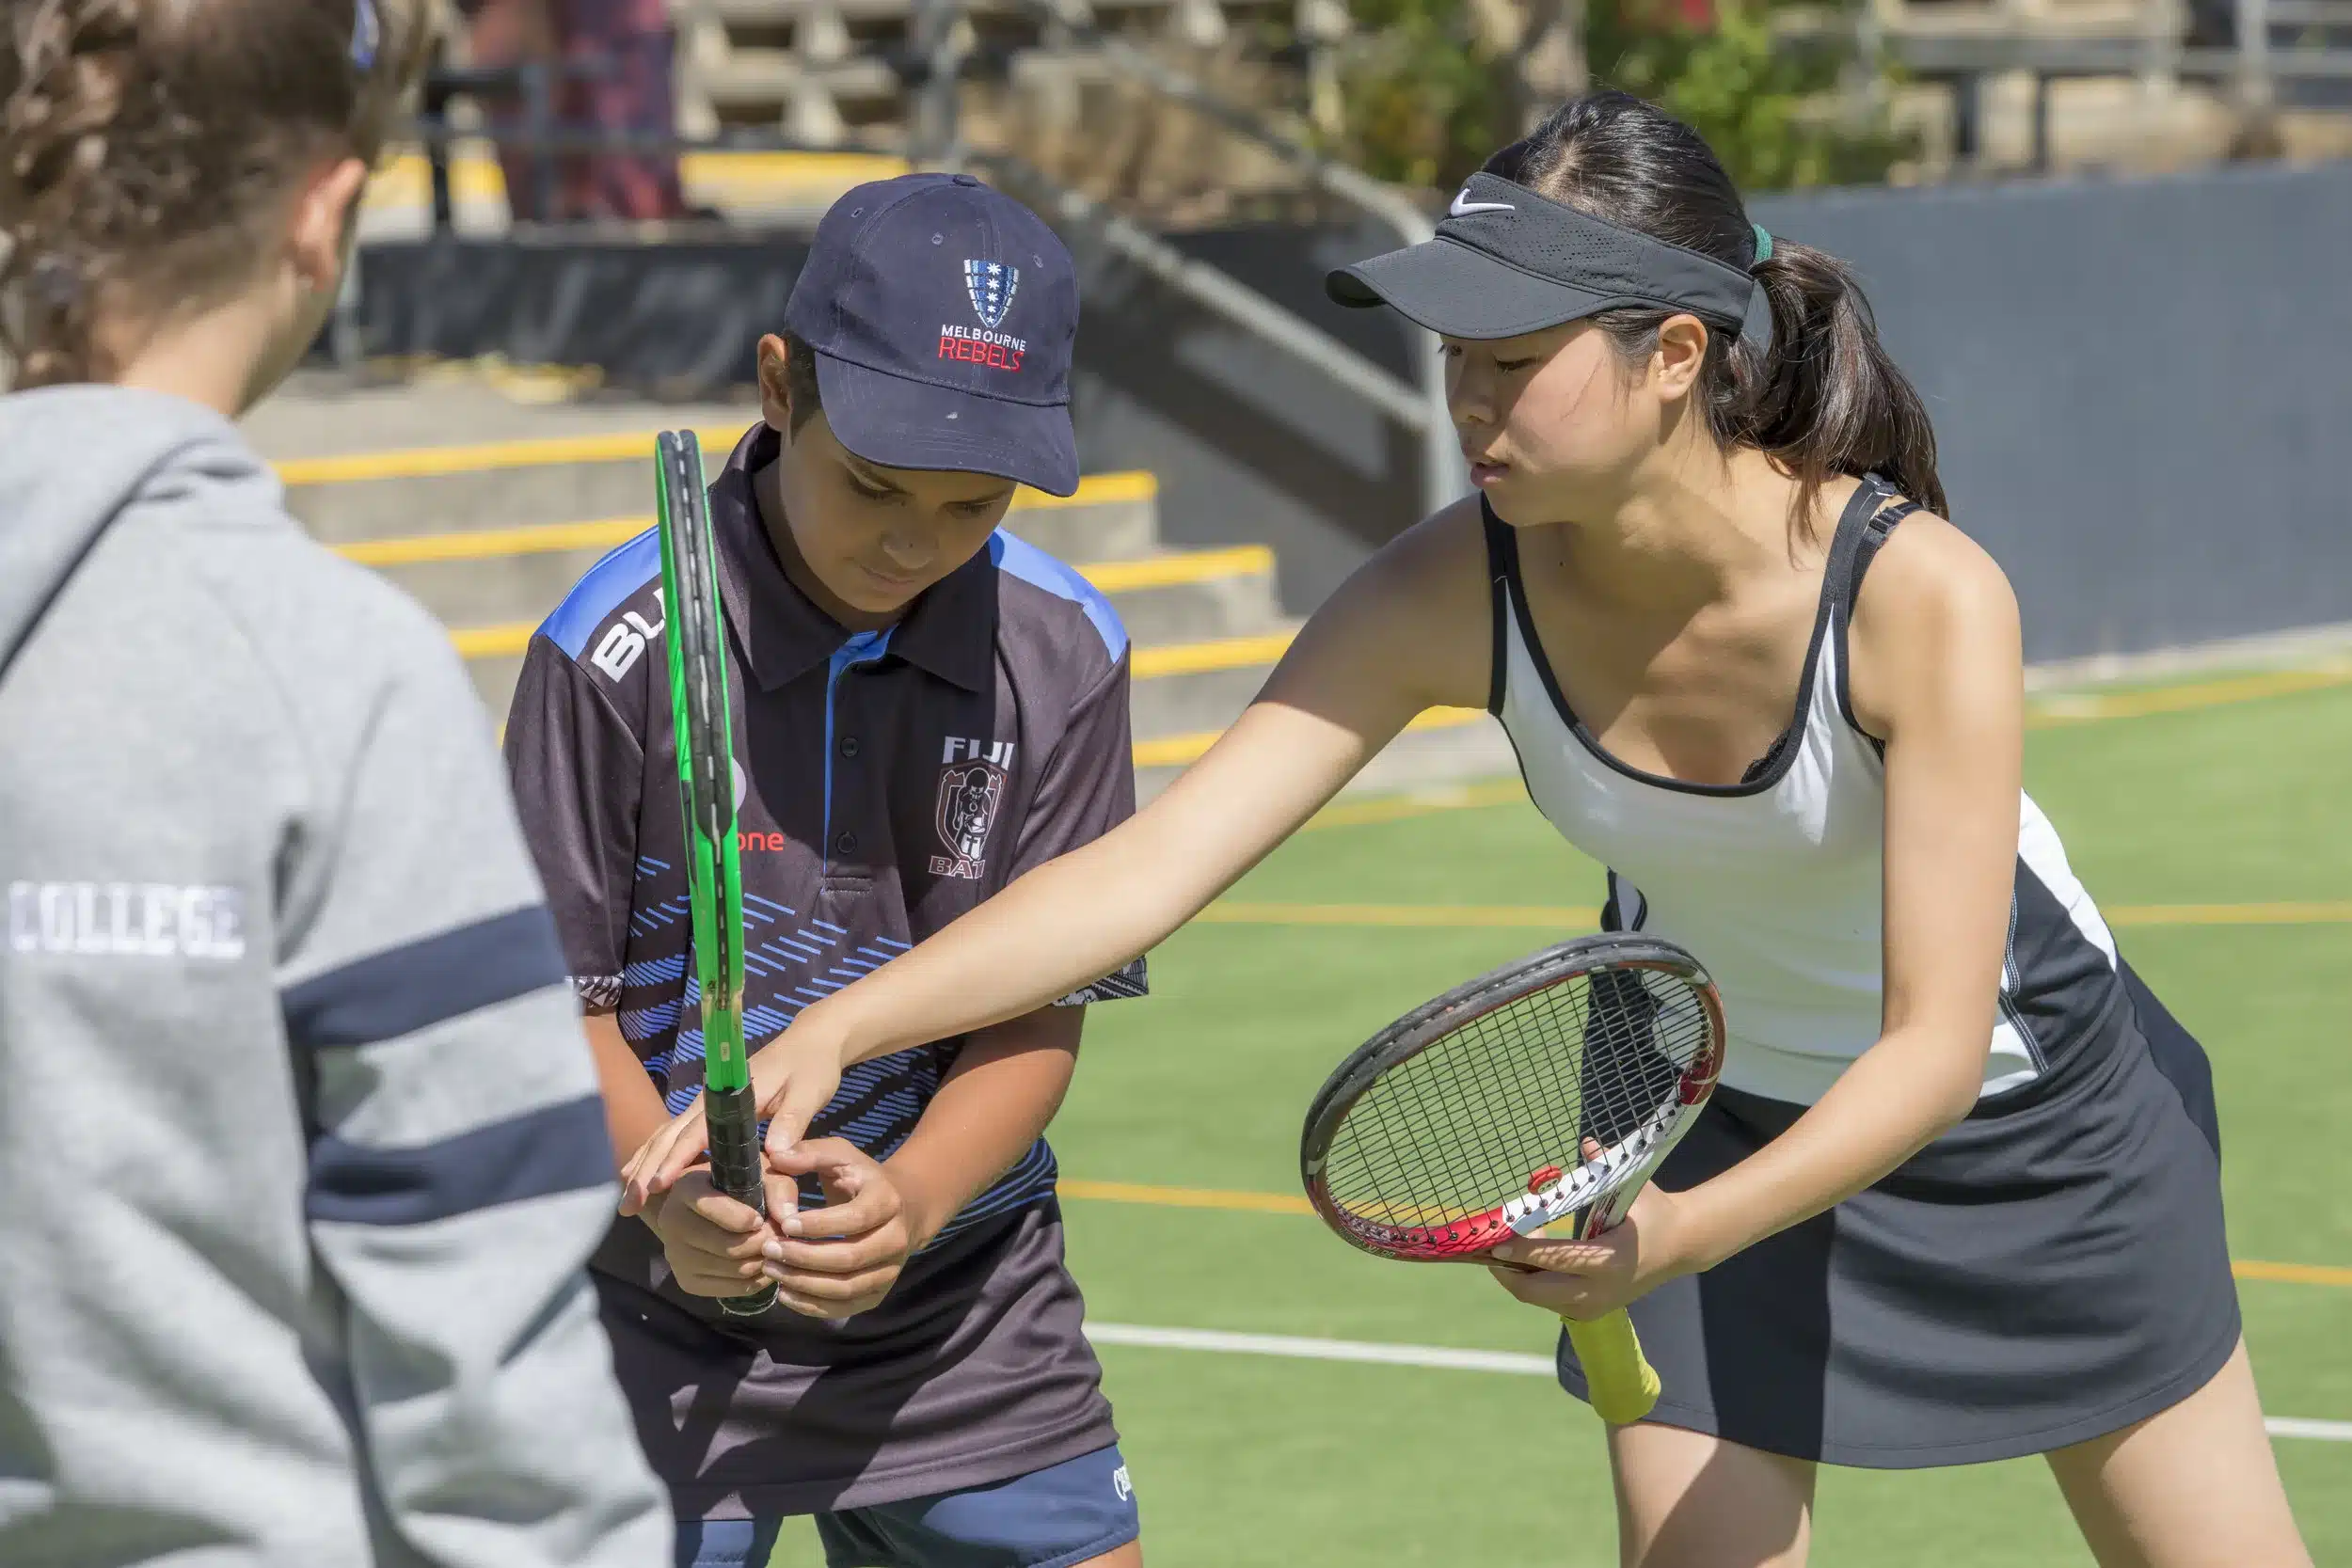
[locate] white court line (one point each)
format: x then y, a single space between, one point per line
2294 1426
1321 1350
1438 1357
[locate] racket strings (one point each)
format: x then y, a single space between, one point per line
1460 1127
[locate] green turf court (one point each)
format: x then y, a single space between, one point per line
1243 1459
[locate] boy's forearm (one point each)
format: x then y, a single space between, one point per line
991 1106
633 1111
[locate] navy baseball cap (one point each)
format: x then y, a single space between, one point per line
942 314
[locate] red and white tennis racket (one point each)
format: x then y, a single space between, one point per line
1551 1088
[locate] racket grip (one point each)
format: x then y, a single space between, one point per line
1621 1382
731 1119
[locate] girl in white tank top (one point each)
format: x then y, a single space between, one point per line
1778 879
1958 1197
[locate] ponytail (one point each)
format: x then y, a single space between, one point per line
1827 398
1824 399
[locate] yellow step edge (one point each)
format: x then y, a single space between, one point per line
1184 566
1196 659
488 456
620 447
1181 750
504 642
1174 658
486 544
1111 576
406 178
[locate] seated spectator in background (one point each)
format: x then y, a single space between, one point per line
612 62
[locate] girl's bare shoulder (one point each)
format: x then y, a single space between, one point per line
1422 600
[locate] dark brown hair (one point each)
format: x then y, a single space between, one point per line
1825 399
800 382
145 147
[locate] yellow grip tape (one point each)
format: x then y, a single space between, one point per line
1622 1384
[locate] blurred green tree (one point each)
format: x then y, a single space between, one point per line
1430 88
1425 98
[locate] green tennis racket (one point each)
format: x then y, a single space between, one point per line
695 637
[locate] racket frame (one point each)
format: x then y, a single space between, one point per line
702 714
1604 1187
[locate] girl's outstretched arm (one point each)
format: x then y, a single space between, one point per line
1406 632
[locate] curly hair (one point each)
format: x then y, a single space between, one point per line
145 147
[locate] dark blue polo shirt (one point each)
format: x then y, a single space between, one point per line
890 780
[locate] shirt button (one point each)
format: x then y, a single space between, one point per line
849 745
846 844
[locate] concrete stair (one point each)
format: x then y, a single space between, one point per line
489 535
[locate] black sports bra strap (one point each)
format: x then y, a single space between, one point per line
1837 578
1502 570
1868 519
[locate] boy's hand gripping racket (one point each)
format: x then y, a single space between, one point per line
695 637
1469 1120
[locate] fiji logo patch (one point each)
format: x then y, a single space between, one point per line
970 790
991 286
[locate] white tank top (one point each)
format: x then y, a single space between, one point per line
1775 883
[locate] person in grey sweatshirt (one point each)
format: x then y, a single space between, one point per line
300 1141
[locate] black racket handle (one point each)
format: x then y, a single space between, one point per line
732 1118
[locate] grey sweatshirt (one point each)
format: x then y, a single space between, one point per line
300 1149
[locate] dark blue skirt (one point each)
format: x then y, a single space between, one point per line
2051 1270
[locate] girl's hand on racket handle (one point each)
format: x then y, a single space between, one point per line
1586 1278
843 1259
794 1076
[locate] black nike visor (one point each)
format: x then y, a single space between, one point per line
1506 262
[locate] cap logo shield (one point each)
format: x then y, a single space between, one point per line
991 285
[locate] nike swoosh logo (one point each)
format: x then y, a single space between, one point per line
1463 206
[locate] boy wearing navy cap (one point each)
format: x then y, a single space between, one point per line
926 707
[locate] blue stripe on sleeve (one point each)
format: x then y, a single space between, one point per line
559 1149
430 981
601 590
1016 557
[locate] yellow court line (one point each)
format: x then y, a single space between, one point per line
1231 1201
2047 713
2291 1273
1442 916
1555 916
2320 913
1420 802
1180 751
1185 1197
2051 712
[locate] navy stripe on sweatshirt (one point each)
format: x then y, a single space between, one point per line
429 981
543 1153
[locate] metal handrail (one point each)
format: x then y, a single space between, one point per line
1219 291
1445 477
1207 285
1418 404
